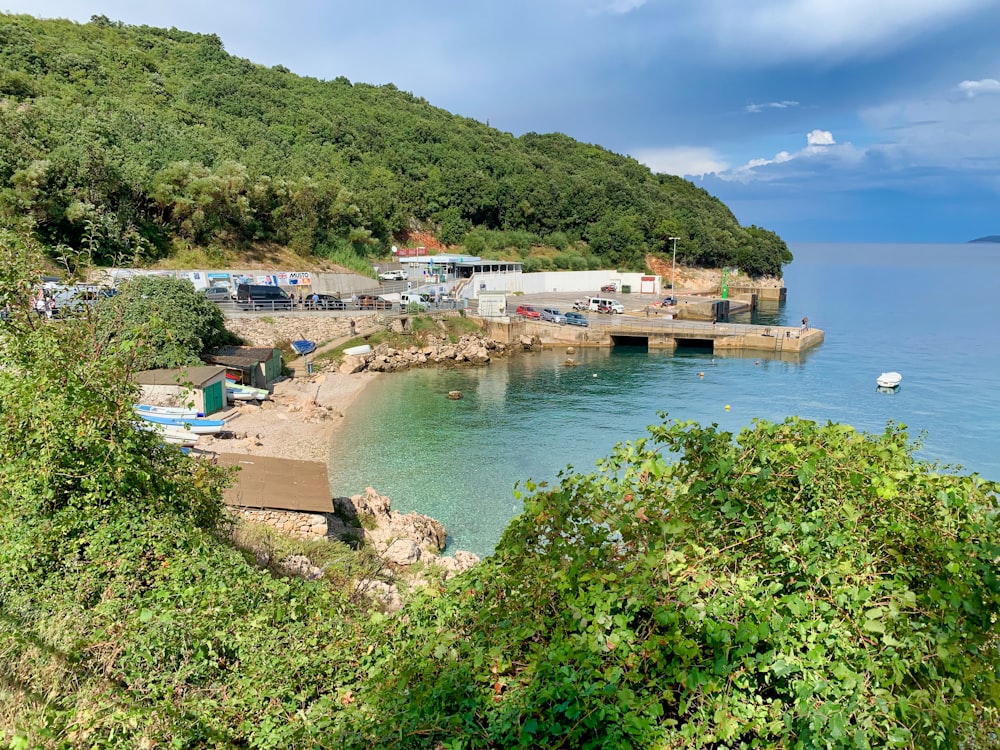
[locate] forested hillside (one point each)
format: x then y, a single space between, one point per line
137 141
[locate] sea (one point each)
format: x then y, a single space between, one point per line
927 311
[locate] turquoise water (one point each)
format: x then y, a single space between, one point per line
928 311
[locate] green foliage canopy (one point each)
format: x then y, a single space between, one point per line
128 139
163 321
799 586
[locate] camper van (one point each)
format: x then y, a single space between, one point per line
599 304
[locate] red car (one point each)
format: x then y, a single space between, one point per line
527 311
609 288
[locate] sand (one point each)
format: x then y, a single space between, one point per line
297 422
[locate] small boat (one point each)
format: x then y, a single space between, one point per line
889 380
352 351
171 434
246 393
197 426
303 347
166 411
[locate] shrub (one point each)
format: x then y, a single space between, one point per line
801 586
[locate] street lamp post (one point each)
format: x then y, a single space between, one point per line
673 271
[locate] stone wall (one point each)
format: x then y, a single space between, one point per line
301 525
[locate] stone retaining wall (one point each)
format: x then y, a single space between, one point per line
301 525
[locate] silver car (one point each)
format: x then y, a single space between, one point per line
552 315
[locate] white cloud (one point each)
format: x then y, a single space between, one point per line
620 7
984 86
681 160
755 108
771 30
820 138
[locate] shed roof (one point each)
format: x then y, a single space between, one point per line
257 353
180 375
237 363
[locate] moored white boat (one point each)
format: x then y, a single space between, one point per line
355 350
889 380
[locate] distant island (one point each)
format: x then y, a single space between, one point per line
990 238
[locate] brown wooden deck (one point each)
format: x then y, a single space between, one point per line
278 483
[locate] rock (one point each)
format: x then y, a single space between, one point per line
352 364
402 552
300 565
454 395
570 350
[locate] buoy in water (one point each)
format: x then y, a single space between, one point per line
727 407
595 375
701 374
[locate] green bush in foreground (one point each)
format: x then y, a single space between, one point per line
802 586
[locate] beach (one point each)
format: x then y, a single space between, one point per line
297 422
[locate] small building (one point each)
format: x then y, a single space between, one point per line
202 388
493 304
258 366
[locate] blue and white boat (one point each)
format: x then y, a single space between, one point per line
167 411
303 347
193 424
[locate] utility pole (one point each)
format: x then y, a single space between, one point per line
673 271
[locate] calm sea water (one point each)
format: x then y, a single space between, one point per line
927 311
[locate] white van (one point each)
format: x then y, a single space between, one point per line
596 303
412 298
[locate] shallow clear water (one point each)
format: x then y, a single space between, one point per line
927 311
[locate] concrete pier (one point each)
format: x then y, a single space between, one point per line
662 333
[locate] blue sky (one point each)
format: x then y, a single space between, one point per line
824 120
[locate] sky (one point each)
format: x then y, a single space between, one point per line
823 120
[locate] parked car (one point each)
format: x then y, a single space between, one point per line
370 302
218 293
667 302
610 288
552 315
576 319
527 311
324 302
397 274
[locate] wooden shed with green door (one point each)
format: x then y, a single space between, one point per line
202 388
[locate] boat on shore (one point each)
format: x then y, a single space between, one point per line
352 351
889 380
246 393
170 434
303 347
166 411
195 425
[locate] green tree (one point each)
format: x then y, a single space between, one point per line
164 321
